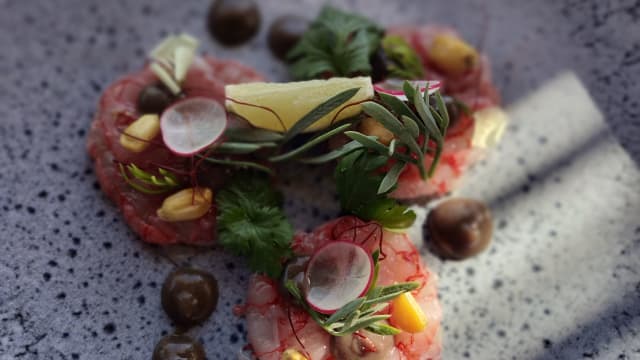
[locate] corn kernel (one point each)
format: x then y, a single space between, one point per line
187 204
370 126
137 135
292 354
407 315
452 54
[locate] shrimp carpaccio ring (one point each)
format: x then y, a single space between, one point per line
275 324
475 89
206 78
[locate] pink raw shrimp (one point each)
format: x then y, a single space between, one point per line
272 317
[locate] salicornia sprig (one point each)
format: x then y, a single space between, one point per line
149 183
358 314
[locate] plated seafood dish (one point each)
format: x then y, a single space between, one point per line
189 149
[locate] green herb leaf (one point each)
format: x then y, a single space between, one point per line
357 183
311 143
334 154
336 44
318 112
237 163
148 183
241 147
383 329
391 178
252 135
251 223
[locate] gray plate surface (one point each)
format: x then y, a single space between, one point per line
560 281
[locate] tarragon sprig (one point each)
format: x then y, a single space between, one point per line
409 122
149 183
361 313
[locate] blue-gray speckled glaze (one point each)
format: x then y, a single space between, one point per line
560 281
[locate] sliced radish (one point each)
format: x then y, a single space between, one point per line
191 125
394 87
337 273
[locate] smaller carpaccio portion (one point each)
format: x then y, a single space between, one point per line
272 317
207 77
475 89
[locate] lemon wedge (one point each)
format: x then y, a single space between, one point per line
291 101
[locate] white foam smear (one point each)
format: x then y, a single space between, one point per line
415 231
572 222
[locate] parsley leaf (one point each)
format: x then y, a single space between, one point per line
336 44
357 183
252 224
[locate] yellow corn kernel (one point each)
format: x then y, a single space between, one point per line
292 354
137 135
370 126
407 315
187 204
452 54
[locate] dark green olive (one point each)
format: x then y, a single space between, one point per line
379 65
178 347
154 99
453 109
460 228
233 22
284 33
189 296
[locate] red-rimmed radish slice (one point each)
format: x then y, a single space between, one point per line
337 273
191 125
394 87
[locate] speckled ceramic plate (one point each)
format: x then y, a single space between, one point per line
561 279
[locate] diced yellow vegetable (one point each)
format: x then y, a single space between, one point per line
407 315
291 101
187 204
292 354
137 135
370 126
452 54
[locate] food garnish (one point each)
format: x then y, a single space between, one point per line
178 346
403 62
171 60
189 296
292 354
149 183
407 315
282 105
153 99
452 54
350 275
336 44
358 182
191 125
490 125
138 135
251 223
186 204
233 22
284 33
460 228
361 313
